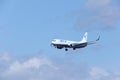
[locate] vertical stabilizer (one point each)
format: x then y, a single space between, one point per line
84 37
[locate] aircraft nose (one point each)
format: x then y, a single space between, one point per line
52 42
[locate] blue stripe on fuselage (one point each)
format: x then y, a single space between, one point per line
81 45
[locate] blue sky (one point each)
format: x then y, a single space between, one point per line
27 28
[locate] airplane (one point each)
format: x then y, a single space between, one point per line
60 43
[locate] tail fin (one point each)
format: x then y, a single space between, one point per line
85 37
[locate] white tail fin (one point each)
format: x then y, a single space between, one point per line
84 37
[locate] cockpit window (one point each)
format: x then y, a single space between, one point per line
54 40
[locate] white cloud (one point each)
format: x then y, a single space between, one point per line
97 73
97 3
4 56
98 15
42 68
32 63
118 78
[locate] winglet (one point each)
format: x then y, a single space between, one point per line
98 38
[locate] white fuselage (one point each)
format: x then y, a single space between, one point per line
67 42
59 43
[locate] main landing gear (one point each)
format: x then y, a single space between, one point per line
74 48
66 49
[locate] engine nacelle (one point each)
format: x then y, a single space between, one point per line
59 47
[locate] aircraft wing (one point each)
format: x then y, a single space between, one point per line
93 42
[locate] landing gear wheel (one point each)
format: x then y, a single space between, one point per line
66 49
74 48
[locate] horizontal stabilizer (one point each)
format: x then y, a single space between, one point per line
93 42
